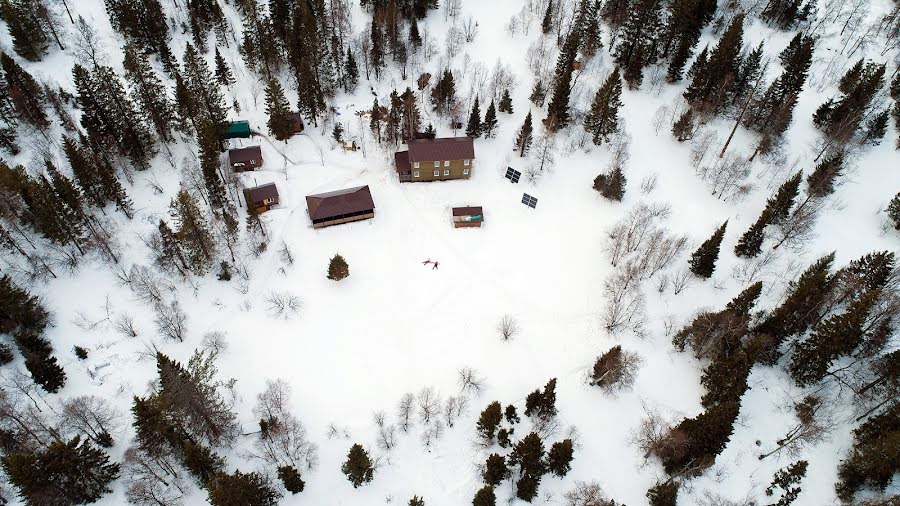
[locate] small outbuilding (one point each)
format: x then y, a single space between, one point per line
261 198
242 159
467 217
297 122
239 129
341 206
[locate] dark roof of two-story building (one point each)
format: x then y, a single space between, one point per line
434 150
339 203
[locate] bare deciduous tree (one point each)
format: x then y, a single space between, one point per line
726 177
282 304
153 479
470 29
469 381
615 370
282 438
214 342
625 307
147 286
170 320
508 327
587 494
815 421
124 324
428 401
405 410
91 416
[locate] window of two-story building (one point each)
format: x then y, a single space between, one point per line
437 173
446 163
416 173
415 165
466 162
465 172
446 172
437 164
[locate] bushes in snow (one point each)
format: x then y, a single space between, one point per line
338 268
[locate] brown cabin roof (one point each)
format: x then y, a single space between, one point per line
467 211
262 192
448 148
244 155
298 122
401 160
336 203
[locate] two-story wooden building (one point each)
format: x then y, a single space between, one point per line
436 159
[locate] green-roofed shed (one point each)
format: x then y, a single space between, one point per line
237 129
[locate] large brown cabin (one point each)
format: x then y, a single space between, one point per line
342 206
436 159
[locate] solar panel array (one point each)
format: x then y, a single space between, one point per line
513 175
529 201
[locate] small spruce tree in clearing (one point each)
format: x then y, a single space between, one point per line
750 244
338 268
663 494
526 135
703 261
527 487
788 480
338 133
474 127
538 94
505 103
291 479
612 185
489 421
223 73
603 118
495 469
358 466
893 211
559 459
281 123
485 497
416 501
490 121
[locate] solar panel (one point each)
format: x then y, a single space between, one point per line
513 175
529 201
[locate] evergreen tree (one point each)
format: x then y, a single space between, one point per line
208 101
412 119
223 71
748 75
612 185
873 461
639 39
25 94
713 80
893 211
820 183
72 472
799 310
495 470
528 454
699 62
338 133
394 120
703 261
683 129
196 239
542 404
840 119
684 22
772 113
510 414
538 94
291 479
490 121
416 501
415 39
525 136
505 102
559 458
281 121
143 23
590 27
633 72
547 22
351 72
663 494
788 481
358 467
30 41
779 206
705 436
443 95
527 487
485 497
489 421
210 166
240 489
876 128
338 268
785 14
149 93
558 109
603 118
474 127
750 244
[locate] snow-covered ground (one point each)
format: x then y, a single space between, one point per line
395 326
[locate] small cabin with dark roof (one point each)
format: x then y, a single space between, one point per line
436 159
341 206
239 129
297 122
261 198
242 159
467 217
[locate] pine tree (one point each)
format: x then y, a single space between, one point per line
338 268
223 71
196 239
528 454
527 486
785 14
474 127
443 95
542 404
281 121
872 462
241 489
772 113
590 27
490 121
637 47
703 261
489 421
149 93
663 494
633 73
495 470
25 94
412 119
72 472
351 72
558 109
525 136
799 310
713 80
893 211
788 480
338 133
538 94
820 183
505 103
485 497
291 479
750 244
603 118
748 75
30 41
612 185
840 119
414 37
876 128
510 414
559 458
210 166
683 129
779 206
394 120
358 467
142 23
206 96
416 501
547 22
705 436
